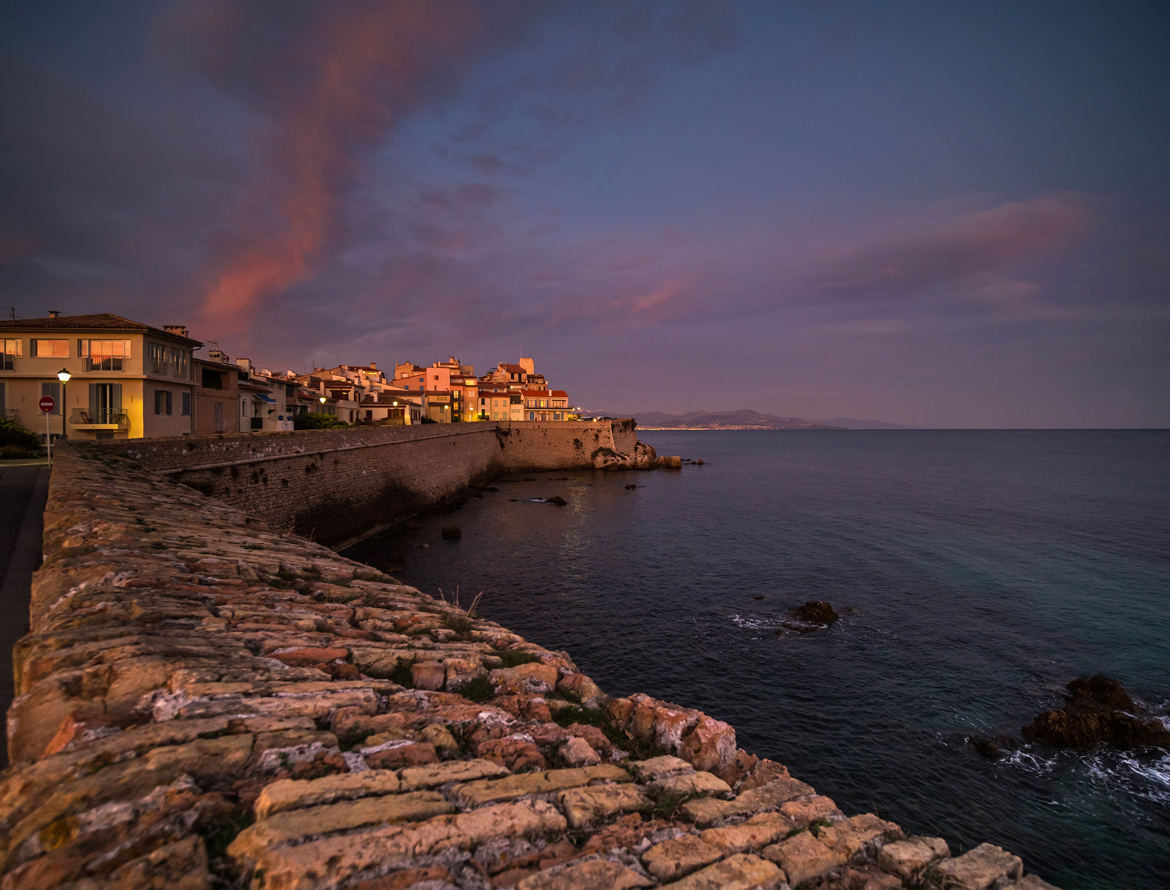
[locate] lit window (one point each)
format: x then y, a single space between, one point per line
103 355
9 349
50 349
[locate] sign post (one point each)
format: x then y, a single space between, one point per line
47 404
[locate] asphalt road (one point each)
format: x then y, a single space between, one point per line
23 489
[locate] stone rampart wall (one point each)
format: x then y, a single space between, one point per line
334 485
204 702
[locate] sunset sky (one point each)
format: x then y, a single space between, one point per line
928 213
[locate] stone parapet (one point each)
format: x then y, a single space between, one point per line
334 485
206 702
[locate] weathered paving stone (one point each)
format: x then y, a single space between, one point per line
452 771
740 872
704 811
865 876
677 856
286 794
474 793
754 833
979 869
291 825
850 835
802 856
579 752
692 783
181 865
584 806
401 755
207 759
594 874
535 678
658 767
328 863
809 809
907 858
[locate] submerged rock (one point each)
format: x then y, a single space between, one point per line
1098 711
815 612
985 746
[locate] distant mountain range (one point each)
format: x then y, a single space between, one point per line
746 419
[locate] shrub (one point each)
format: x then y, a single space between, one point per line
317 422
16 441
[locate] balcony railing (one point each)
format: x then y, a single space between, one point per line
79 417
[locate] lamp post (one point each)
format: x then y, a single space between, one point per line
321 399
396 408
63 375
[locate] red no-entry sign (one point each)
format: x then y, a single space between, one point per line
47 403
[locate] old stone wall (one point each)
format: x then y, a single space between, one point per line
334 485
205 702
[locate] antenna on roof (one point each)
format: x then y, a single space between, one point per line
11 313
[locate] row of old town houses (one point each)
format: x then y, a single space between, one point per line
109 377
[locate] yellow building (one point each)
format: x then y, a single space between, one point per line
126 380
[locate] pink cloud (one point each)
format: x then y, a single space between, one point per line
975 245
330 85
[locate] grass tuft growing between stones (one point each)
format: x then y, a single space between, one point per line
219 833
589 716
665 804
479 690
514 657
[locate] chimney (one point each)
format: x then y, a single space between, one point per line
373 366
179 330
53 313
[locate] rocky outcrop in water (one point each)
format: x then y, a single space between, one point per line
815 612
644 457
1098 711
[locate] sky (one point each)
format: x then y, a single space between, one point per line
934 214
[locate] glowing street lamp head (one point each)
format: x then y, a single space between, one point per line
63 375
321 400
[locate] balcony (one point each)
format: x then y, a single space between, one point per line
99 420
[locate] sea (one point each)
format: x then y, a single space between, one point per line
975 572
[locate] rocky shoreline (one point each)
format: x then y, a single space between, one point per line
204 702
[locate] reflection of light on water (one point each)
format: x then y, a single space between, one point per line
750 622
1123 773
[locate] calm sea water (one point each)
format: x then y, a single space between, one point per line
984 571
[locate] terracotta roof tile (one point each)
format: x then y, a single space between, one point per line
104 321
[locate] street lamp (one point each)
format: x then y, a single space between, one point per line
63 375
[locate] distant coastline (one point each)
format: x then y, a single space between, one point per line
717 429
747 419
